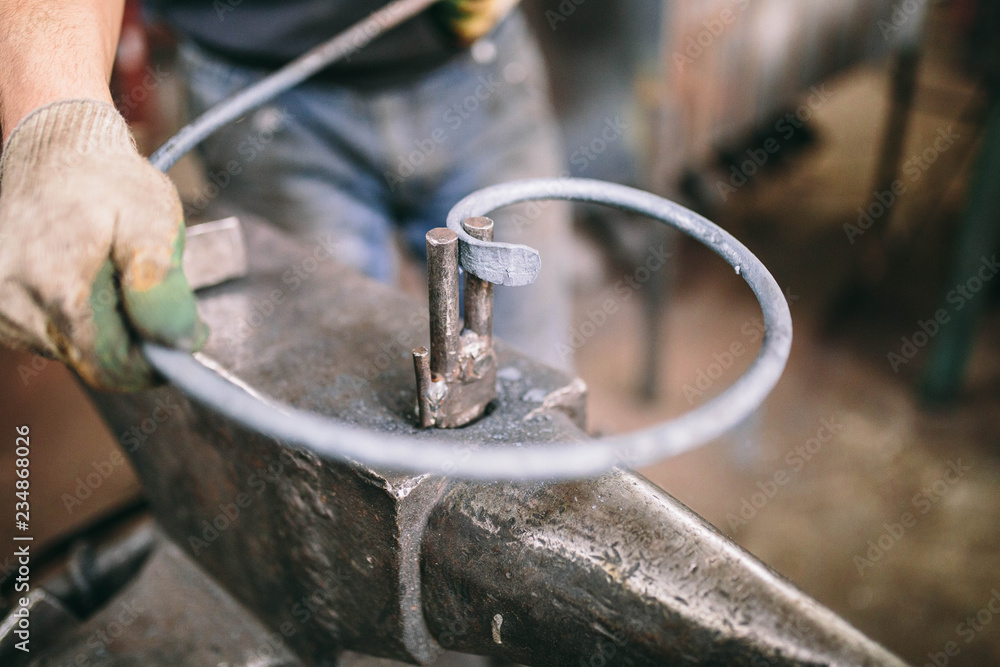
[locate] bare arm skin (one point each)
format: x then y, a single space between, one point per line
52 51
91 234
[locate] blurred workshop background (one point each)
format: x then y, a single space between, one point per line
854 146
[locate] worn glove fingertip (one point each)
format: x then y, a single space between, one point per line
166 312
158 297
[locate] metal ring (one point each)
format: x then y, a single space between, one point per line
335 440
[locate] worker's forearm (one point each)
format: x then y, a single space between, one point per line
53 51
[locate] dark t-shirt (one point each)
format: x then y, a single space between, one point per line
270 33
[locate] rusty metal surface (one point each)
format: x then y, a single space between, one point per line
171 614
614 571
540 573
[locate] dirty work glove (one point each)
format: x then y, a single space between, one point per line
91 237
469 20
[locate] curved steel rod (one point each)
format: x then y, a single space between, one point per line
334 439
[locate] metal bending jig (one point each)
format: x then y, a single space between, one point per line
456 380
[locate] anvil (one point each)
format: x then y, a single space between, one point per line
605 571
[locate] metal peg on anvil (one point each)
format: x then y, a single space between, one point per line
456 379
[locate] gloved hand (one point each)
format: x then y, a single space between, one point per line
91 237
471 19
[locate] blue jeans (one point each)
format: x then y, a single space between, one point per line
370 166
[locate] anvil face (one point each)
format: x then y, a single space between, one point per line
542 574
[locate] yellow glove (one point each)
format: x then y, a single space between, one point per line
471 19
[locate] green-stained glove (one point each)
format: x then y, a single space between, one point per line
471 19
91 237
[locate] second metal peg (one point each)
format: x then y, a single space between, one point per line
479 292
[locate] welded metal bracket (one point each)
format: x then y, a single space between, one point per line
456 379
